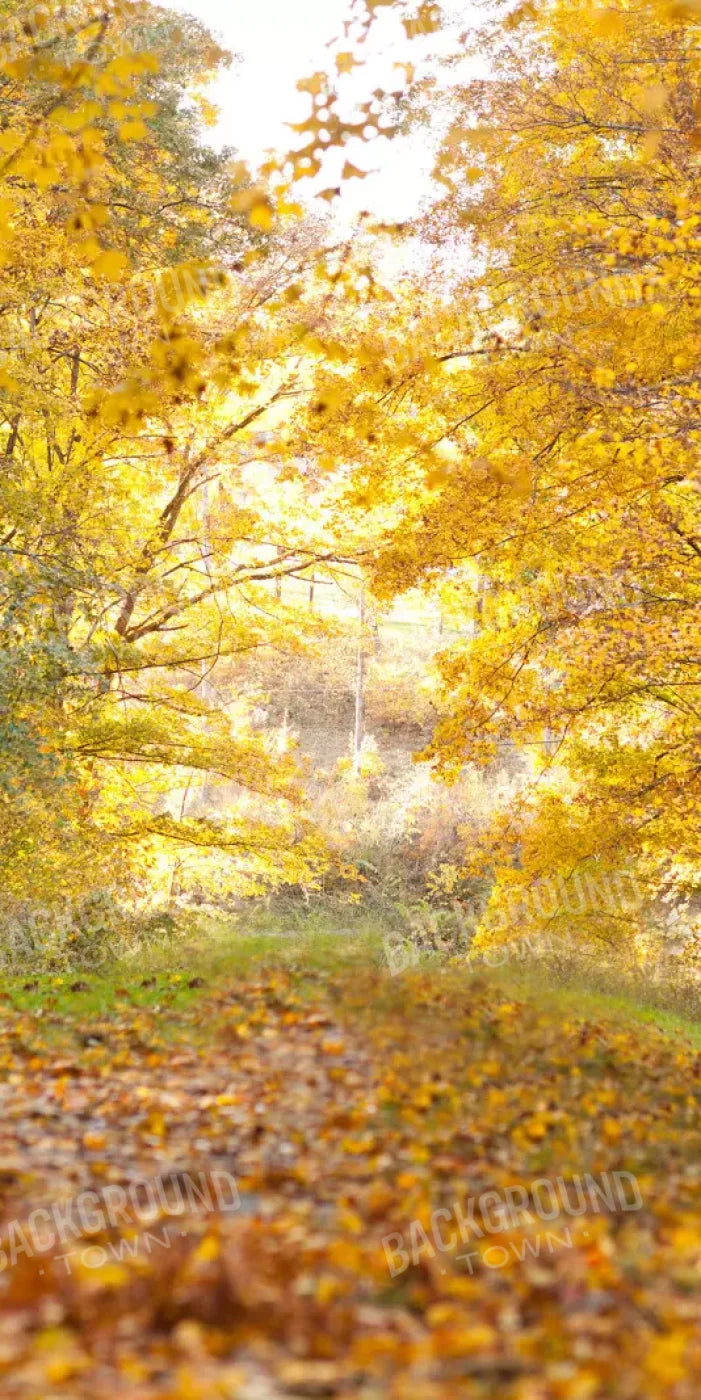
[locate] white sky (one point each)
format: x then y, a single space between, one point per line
281 41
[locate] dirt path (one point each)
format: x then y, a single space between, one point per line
344 1186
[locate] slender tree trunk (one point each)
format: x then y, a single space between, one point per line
482 589
206 688
359 732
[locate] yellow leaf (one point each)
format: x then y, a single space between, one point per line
76 118
130 65
426 21
665 1358
346 62
133 131
609 23
650 144
655 97
207 1251
260 216
611 1129
244 200
110 266
7 380
313 85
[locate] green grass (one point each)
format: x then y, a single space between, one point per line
92 997
172 975
591 1004
216 953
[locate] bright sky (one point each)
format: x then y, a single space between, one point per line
281 41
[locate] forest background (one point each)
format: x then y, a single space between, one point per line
352 567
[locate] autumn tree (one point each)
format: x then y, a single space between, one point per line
134 552
531 412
